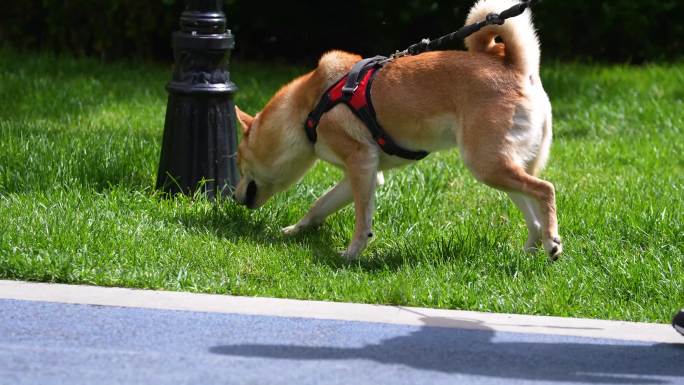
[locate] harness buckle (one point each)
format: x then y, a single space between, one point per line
348 92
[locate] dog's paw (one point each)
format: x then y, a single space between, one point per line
291 230
554 247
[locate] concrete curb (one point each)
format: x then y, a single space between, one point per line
149 299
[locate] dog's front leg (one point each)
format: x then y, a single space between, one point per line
362 168
333 200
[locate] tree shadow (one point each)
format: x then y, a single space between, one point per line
467 347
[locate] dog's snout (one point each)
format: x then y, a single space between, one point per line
250 196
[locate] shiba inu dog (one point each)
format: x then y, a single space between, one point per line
487 101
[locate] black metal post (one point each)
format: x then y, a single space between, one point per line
199 144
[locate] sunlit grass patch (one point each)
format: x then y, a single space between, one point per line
79 147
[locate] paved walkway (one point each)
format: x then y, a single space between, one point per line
57 334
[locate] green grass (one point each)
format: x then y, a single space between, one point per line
79 146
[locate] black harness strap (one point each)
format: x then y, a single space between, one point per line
357 70
354 90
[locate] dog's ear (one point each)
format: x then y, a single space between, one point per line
245 119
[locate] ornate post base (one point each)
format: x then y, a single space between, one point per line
199 145
198 148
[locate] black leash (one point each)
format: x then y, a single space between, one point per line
453 40
345 90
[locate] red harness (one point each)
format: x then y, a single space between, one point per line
354 91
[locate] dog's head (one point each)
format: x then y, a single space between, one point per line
269 157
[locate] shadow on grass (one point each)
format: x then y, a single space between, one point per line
47 86
468 347
461 248
229 221
97 160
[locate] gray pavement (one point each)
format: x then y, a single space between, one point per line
52 343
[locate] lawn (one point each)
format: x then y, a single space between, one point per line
80 142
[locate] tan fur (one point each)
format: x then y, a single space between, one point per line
488 102
521 46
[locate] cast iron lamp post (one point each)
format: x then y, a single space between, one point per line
199 144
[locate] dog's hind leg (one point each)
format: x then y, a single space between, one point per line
503 174
529 209
336 198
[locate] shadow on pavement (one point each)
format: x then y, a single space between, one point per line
473 350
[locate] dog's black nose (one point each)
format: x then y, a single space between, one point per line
250 197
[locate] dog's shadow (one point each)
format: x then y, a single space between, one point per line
228 221
234 223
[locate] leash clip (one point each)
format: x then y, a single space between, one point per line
397 54
494 18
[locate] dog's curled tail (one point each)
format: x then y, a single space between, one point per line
520 45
